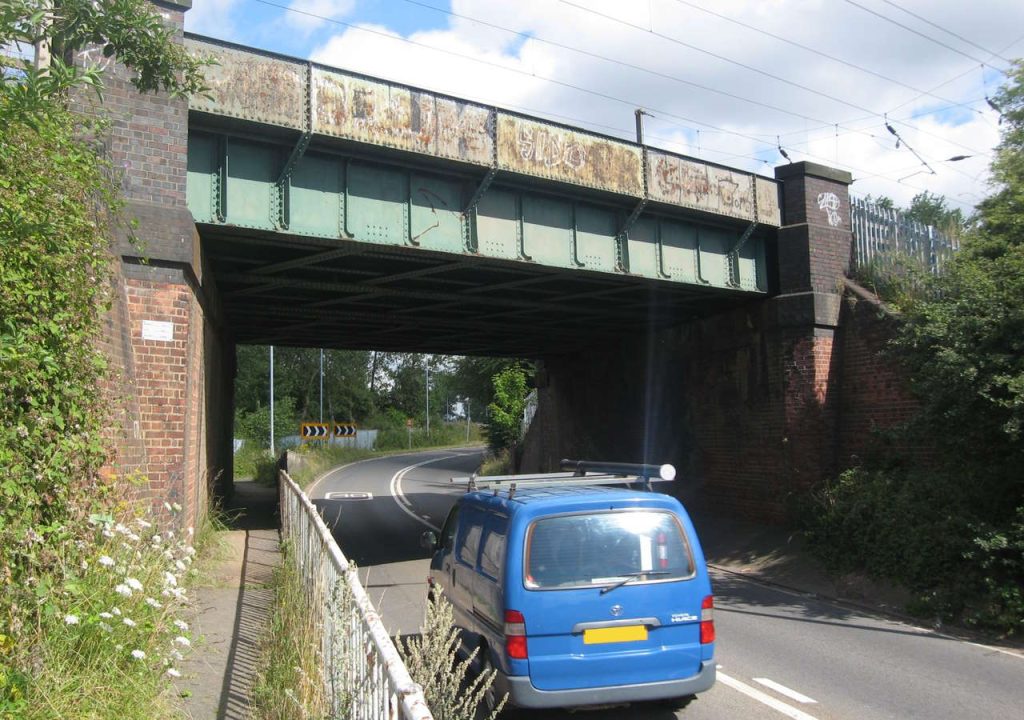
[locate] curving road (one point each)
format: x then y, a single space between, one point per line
780 654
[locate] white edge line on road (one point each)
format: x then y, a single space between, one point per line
399 496
309 490
783 690
752 692
866 611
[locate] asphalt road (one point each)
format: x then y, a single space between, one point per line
780 654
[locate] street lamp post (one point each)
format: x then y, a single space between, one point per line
428 399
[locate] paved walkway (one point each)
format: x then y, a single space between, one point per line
233 609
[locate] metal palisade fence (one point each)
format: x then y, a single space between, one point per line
364 675
885 236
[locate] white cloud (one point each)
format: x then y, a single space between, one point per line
309 15
213 17
711 83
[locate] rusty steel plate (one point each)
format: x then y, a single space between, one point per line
388 115
556 153
677 181
251 86
768 210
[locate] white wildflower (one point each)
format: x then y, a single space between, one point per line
154 603
171 672
107 534
70 619
181 625
106 615
134 584
133 537
176 507
157 539
85 565
190 550
167 506
191 531
170 580
128 621
123 589
177 655
121 529
105 627
106 561
116 611
180 565
143 524
166 593
183 641
138 655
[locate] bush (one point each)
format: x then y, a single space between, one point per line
916 527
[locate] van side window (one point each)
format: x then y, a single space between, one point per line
470 545
448 531
494 547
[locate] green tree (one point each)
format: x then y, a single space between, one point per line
929 209
504 428
130 30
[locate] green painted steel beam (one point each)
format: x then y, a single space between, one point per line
236 182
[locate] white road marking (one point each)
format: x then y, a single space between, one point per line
752 692
403 502
783 690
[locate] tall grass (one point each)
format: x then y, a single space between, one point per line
290 682
111 635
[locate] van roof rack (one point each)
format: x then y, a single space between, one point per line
580 472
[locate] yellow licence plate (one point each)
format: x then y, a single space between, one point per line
626 633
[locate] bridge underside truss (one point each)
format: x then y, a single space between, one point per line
330 248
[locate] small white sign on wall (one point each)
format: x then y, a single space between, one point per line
157 330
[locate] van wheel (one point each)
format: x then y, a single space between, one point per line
490 698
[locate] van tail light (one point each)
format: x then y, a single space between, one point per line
707 620
515 635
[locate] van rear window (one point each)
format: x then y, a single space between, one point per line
601 548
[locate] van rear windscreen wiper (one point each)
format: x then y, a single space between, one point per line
632 576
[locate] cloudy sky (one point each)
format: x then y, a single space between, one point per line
729 81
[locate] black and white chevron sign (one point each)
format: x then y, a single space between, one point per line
344 430
314 431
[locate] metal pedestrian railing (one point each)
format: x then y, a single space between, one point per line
884 235
364 675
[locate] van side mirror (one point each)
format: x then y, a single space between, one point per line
428 540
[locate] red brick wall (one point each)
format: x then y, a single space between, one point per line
874 390
168 427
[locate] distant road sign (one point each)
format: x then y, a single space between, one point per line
408 422
314 431
344 430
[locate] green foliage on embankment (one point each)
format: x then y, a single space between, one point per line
85 626
949 523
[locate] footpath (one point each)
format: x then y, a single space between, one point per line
233 608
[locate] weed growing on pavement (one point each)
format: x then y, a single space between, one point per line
290 683
110 636
452 690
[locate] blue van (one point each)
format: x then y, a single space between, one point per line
577 593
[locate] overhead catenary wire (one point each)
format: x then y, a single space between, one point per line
945 30
912 30
820 53
745 66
